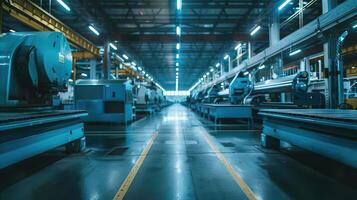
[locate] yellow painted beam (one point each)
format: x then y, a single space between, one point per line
80 55
34 16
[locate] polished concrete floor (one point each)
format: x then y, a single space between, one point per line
190 158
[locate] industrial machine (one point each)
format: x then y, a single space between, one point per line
34 67
285 92
108 101
329 132
148 98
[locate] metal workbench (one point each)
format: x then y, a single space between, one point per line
329 132
25 134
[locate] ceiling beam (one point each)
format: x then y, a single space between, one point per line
184 38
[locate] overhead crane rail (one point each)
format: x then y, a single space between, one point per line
34 16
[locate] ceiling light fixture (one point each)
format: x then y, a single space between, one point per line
179 5
217 65
238 46
126 57
178 46
93 30
178 30
226 56
177 56
261 67
64 5
113 46
256 29
295 52
283 4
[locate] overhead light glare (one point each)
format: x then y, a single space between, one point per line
140 69
84 74
177 56
177 64
256 29
354 26
211 70
93 30
64 5
283 4
177 69
217 65
12 31
226 56
246 73
113 46
178 46
207 73
295 52
133 63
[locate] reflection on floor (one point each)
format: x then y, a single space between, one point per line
181 164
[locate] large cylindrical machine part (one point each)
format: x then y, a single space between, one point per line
34 63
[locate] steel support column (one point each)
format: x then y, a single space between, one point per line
274 28
329 60
93 68
106 64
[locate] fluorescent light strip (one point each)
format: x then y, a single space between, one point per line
64 5
178 46
295 52
177 56
126 57
178 30
12 31
179 5
283 4
226 57
133 63
120 58
354 26
217 65
177 64
238 46
93 30
261 67
256 29
113 46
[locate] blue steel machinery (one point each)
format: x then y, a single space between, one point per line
34 67
107 101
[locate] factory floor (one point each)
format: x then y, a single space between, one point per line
175 154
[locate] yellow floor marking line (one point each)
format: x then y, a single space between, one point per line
238 179
129 179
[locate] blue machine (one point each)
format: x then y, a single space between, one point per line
108 101
239 88
35 66
329 132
